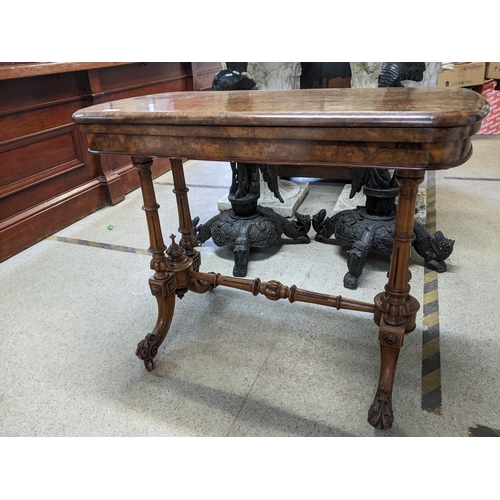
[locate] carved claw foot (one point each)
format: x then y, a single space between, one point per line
439 267
381 415
147 350
350 281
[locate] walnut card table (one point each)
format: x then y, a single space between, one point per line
410 130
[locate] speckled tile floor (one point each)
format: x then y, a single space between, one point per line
72 314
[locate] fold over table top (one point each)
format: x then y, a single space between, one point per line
356 127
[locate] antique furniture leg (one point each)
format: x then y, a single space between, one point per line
189 259
188 241
357 256
395 309
162 283
172 266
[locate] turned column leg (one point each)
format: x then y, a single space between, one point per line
396 309
163 283
188 242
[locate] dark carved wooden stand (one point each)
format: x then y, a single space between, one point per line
370 227
248 225
364 232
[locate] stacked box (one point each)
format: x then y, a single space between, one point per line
490 124
493 70
462 75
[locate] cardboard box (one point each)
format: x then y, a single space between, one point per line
493 70
463 75
491 123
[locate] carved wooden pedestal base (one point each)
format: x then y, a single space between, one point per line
262 229
364 233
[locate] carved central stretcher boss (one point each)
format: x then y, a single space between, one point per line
410 130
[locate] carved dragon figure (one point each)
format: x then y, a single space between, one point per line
363 234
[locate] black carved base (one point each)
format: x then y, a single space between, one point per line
263 229
365 233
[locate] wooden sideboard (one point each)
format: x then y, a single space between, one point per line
48 179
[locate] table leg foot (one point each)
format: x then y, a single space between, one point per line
147 348
381 415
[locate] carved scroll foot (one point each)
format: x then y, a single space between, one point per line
147 350
381 415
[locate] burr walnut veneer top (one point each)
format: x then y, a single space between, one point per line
415 128
384 107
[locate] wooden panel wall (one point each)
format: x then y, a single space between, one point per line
48 179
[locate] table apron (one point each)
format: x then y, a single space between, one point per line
312 151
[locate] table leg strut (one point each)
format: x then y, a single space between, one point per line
396 309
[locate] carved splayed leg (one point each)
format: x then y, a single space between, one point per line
164 291
358 254
175 284
356 260
163 284
381 415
